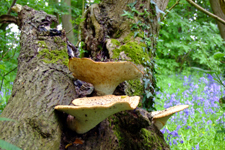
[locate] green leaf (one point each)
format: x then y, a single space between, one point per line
148 93
6 119
205 71
218 55
136 33
132 4
8 146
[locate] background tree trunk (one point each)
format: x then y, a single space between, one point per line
44 81
215 5
67 24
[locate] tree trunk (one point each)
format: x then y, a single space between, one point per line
43 81
108 34
67 24
215 5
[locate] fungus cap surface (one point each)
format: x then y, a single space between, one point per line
160 117
105 76
90 111
170 111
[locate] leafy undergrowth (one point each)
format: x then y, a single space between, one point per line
202 125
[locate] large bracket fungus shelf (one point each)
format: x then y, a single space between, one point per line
90 111
160 117
105 76
87 112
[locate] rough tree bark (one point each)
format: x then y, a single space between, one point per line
44 81
109 34
215 5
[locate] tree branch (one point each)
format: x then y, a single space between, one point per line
10 8
205 11
4 25
177 2
6 75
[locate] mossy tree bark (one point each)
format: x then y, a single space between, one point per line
108 36
42 82
125 30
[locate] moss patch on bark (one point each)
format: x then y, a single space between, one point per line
53 56
134 50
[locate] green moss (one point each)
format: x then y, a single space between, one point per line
115 42
129 37
42 44
135 87
113 121
118 34
119 137
53 56
133 50
150 138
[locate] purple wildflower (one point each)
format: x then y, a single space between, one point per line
174 141
188 127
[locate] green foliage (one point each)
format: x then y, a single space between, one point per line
9 51
188 39
5 119
140 28
8 146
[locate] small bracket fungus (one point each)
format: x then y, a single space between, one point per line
105 76
160 117
90 111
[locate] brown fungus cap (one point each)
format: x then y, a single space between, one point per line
105 76
160 117
90 111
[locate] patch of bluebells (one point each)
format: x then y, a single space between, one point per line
204 102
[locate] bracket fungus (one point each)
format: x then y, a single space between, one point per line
90 111
160 117
105 76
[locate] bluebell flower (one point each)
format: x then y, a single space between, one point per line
1 93
188 127
163 130
197 146
174 133
174 141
